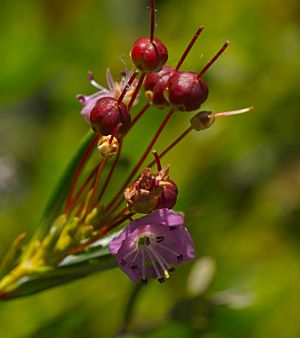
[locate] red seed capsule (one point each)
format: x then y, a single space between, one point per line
185 92
107 114
149 56
168 197
155 83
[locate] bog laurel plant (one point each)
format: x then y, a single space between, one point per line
77 235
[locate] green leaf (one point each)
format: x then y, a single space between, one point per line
98 259
61 189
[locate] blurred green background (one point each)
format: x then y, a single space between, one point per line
239 181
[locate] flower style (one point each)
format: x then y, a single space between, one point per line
114 90
150 246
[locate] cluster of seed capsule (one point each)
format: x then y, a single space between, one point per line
164 86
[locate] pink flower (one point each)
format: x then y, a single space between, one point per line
114 90
150 246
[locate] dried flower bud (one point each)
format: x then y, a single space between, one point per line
202 120
155 83
107 114
108 145
147 55
185 91
149 190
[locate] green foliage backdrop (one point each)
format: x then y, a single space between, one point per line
239 181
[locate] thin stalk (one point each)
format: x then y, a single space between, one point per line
172 145
96 184
130 307
112 169
138 116
139 164
102 232
84 186
126 88
78 171
189 47
136 91
152 22
212 61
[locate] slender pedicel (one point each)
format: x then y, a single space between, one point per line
152 22
102 232
96 184
112 170
136 91
156 159
78 171
127 87
138 116
119 195
189 47
212 61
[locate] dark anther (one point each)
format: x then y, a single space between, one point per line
161 280
134 267
172 269
144 281
180 258
159 239
172 228
147 240
123 263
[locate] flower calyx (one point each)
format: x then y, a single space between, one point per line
152 190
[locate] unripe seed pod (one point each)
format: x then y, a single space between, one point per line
168 197
107 114
155 83
185 92
202 120
149 56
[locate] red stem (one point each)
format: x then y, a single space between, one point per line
138 116
211 62
96 184
189 47
152 23
126 88
79 169
112 169
105 229
172 145
136 91
156 160
84 185
140 162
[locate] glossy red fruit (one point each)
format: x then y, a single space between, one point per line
155 83
107 114
149 56
168 197
185 92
